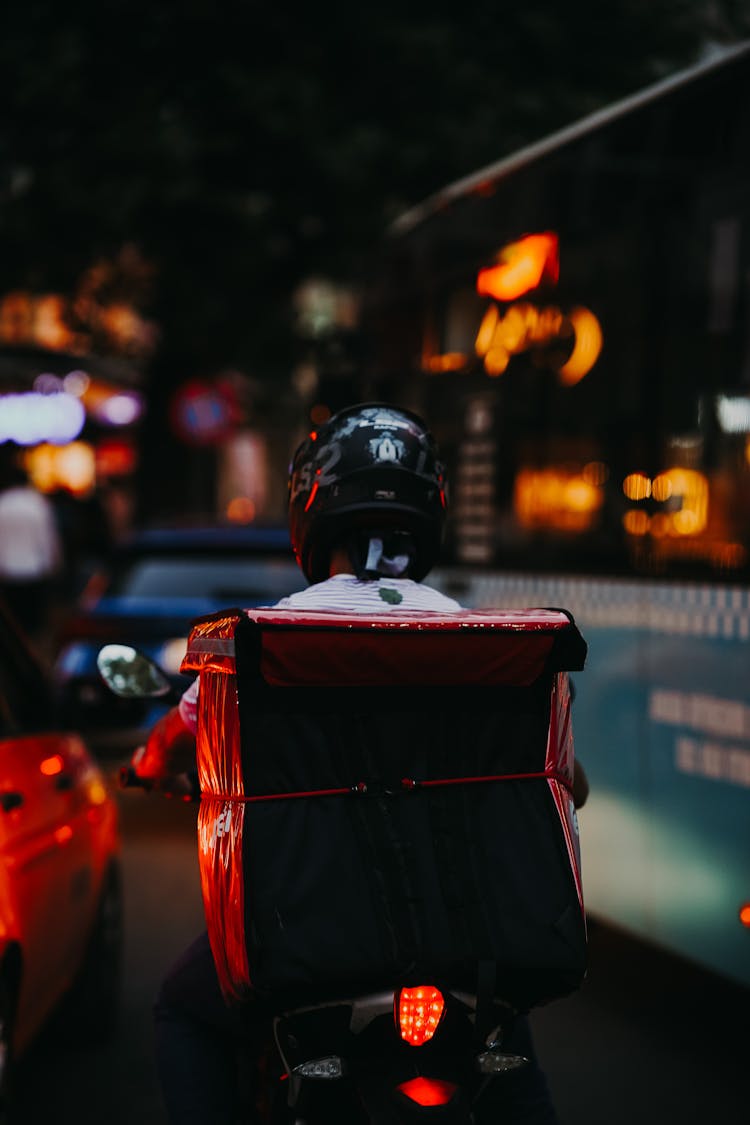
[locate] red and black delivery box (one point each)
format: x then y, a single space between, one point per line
387 799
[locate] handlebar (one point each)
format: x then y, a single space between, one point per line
185 786
129 779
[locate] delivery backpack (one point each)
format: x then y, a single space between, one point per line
387 798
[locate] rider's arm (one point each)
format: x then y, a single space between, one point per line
170 747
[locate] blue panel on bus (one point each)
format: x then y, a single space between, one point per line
662 726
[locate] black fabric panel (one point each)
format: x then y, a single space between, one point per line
348 892
294 740
324 918
569 649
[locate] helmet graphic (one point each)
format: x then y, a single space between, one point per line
370 467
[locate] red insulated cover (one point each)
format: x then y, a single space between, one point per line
329 649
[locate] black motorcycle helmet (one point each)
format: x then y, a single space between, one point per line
371 469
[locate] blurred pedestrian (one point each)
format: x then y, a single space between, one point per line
31 551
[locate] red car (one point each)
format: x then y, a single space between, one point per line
60 878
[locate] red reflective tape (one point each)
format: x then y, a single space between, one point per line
311 497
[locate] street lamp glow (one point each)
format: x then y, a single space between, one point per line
29 418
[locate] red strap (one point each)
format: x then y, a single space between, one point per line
408 784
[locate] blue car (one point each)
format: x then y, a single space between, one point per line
155 585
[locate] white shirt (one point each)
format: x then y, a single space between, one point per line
30 547
347 594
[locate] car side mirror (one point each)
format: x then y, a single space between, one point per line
131 675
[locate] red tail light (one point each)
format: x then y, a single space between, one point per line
428 1091
51 766
419 1011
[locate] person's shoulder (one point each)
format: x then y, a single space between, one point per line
441 602
319 592
347 593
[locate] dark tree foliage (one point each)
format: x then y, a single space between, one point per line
243 146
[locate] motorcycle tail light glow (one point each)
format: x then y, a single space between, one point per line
418 1013
428 1091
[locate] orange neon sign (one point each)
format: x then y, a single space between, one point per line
521 266
523 327
558 497
510 326
587 334
687 486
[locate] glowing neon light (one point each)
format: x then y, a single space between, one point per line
523 327
522 266
588 343
30 418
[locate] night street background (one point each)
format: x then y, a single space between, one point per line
193 200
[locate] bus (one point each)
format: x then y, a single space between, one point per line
573 322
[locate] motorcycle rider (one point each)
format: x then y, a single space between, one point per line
367 504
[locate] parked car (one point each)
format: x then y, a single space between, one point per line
155 586
60 870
